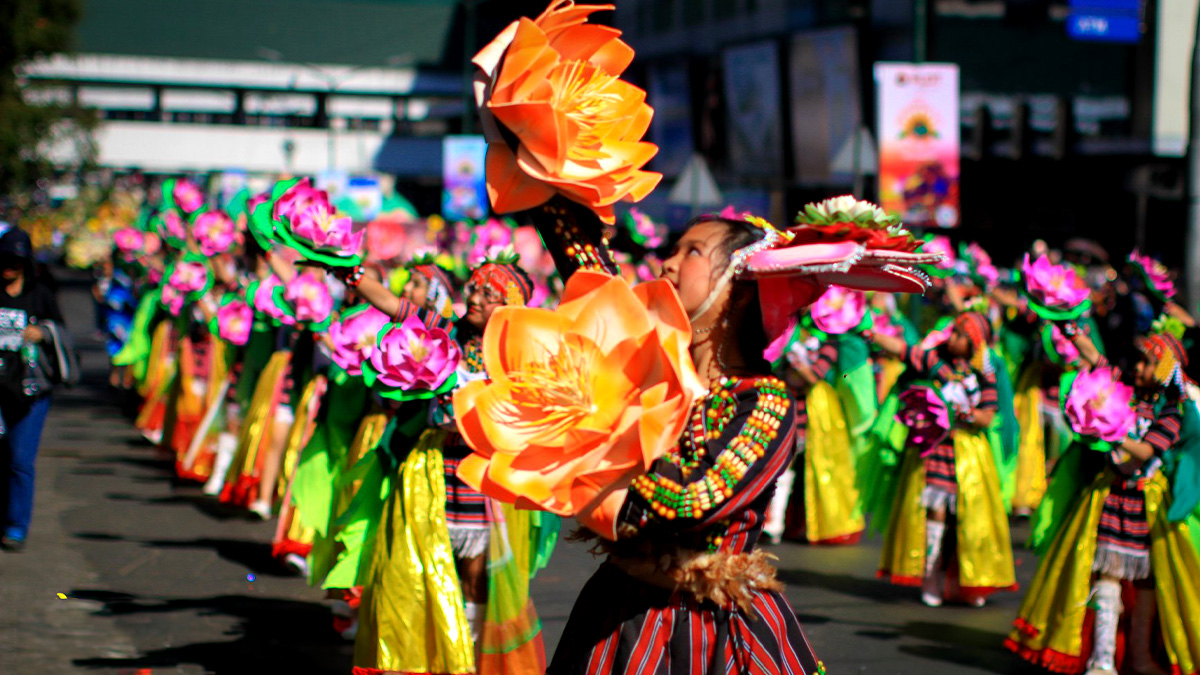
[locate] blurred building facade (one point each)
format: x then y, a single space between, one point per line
269 86
1061 137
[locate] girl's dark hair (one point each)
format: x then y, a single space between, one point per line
744 311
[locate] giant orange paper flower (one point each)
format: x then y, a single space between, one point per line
554 84
581 399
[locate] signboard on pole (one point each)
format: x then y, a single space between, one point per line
1105 20
917 130
464 193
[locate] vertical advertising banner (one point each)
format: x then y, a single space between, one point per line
752 101
917 127
464 191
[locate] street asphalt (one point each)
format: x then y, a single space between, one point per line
130 572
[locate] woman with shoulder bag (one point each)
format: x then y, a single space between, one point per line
31 358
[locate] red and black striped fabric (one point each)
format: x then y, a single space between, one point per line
1123 533
624 625
652 631
940 471
1123 528
465 507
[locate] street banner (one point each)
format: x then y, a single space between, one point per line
464 193
917 128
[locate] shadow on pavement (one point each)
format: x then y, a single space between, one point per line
255 556
963 645
272 636
848 584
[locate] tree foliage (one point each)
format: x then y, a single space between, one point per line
30 30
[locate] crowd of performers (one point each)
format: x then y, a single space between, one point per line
417 427
317 397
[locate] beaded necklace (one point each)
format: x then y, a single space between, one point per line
473 354
670 499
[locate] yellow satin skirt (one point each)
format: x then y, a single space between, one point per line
1031 453
984 550
411 619
241 481
832 503
1050 626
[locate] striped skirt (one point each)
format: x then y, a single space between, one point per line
941 479
622 625
1123 536
467 515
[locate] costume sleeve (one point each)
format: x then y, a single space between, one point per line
922 361
430 319
574 237
753 448
989 396
825 360
1164 431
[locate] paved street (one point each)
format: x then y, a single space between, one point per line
157 577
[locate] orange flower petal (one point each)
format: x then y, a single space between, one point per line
517 336
509 188
535 122
488 58
584 42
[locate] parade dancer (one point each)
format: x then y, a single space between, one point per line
954 484
1119 559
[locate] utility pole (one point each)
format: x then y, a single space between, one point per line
1192 257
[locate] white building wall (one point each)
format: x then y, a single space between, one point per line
197 147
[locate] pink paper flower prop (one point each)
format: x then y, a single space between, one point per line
1055 292
172 229
1155 275
172 300
926 416
882 324
980 265
234 320
1100 406
215 232
1062 345
412 361
187 196
262 294
940 244
839 310
129 240
354 337
310 301
189 276
303 219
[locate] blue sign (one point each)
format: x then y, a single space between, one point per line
1105 20
1104 28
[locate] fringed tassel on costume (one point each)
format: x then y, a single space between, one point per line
468 542
1117 564
936 499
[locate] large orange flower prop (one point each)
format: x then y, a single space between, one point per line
554 85
581 400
